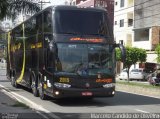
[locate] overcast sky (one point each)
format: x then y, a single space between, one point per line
55 2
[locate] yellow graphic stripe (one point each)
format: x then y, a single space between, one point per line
9 41
24 58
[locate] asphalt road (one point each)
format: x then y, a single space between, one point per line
84 108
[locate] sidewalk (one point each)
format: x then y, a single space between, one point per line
12 109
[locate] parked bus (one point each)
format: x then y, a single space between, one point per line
64 51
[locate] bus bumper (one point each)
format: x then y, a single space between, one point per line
71 92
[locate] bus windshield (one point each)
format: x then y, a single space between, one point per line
81 22
84 59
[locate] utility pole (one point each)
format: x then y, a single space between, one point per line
42 3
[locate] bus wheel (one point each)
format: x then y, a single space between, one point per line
34 87
13 82
12 78
41 91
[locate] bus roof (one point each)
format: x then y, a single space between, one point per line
68 7
65 7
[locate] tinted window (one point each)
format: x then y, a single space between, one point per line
86 58
39 23
81 22
47 21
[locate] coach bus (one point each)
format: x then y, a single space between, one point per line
64 51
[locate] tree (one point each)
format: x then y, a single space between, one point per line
133 55
157 50
13 7
3 8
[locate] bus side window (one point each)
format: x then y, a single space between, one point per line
39 23
47 21
50 57
50 60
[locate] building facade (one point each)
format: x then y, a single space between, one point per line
147 26
137 24
107 4
123 21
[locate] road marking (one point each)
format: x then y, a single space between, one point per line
139 94
141 111
29 102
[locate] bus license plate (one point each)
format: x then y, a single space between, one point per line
86 93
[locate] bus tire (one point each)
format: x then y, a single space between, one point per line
34 86
41 90
13 80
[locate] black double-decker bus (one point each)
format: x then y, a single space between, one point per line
64 51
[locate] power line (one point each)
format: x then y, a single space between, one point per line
152 16
133 6
42 3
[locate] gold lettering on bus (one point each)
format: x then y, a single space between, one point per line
64 80
33 46
104 81
39 45
15 47
36 45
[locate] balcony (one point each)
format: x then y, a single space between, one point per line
130 3
130 22
130 19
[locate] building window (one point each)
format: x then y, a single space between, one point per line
141 35
130 22
74 3
116 3
122 3
115 22
122 23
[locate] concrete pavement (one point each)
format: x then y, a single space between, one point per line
11 107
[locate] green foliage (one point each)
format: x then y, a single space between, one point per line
2 36
118 54
157 50
142 55
3 8
133 55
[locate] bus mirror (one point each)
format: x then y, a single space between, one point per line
52 47
123 52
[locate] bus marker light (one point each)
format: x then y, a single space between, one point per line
48 83
45 86
56 92
113 92
45 78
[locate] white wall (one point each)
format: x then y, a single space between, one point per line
122 33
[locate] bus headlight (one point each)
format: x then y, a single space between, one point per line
109 85
62 85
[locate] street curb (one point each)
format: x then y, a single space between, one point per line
29 103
